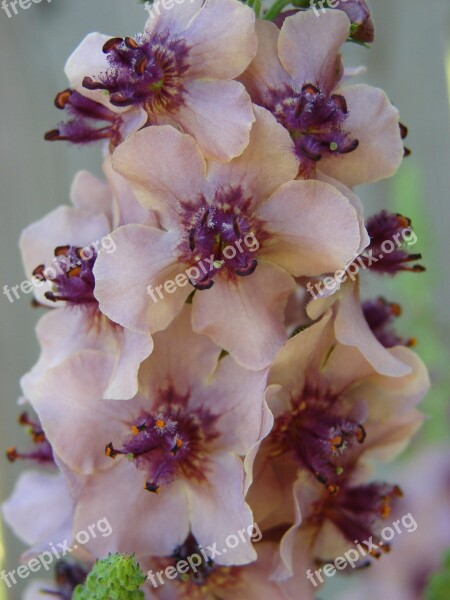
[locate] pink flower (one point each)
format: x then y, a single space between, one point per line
172 460
179 71
334 414
60 251
350 133
239 231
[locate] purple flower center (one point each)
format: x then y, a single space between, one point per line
220 236
147 71
315 121
172 441
71 275
379 315
317 435
358 511
389 233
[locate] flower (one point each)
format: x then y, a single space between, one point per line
179 71
168 459
333 414
351 133
239 230
59 253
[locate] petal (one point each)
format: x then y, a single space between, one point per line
133 349
239 401
309 47
126 207
313 227
219 511
375 123
145 260
390 396
40 510
149 159
55 347
219 115
355 202
181 357
352 329
141 523
246 317
76 421
89 60
265 70
91 194
303 351
174 19
222 40
267 162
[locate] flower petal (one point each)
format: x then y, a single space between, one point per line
309 47
239 401
267 162
246 317
133 349
314 228
149 159
76 421
40 510
219 115
352 329
265 70
222 40
219 511
181 357
375 123
89 60
144 257
141 523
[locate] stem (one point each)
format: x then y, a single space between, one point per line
275 9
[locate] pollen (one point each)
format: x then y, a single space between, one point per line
152 487
160 424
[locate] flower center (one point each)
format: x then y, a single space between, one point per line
147 71
220 237
317 436
315 121
207 581
71 275
358 511
170 442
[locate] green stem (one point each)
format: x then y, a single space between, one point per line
275 9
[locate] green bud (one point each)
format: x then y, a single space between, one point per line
117 577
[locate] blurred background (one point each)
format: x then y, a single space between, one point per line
410 59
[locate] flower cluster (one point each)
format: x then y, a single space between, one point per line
235 398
